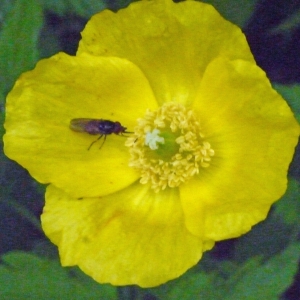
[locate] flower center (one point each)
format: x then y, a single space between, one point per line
168 146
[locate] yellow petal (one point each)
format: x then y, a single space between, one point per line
254 133
41 105
172 43
134 236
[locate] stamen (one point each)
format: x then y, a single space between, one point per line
184 149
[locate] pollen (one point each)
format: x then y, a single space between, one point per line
168 147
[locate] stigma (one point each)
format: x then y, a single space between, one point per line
152 138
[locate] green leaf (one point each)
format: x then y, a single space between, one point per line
190 286
18 41
26 276
268 280
236 11
83 8
5 6
255 279
289 206
291 93
267 238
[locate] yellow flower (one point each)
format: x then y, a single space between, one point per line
209 153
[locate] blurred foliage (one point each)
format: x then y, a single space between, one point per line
262 264
82 8
27 276
255 279
291 23
289 207
21 27
291 93
276 48
237 11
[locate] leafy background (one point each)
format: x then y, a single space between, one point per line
263 264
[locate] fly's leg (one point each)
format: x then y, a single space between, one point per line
96 141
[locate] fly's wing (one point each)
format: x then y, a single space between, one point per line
79 124
90 126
